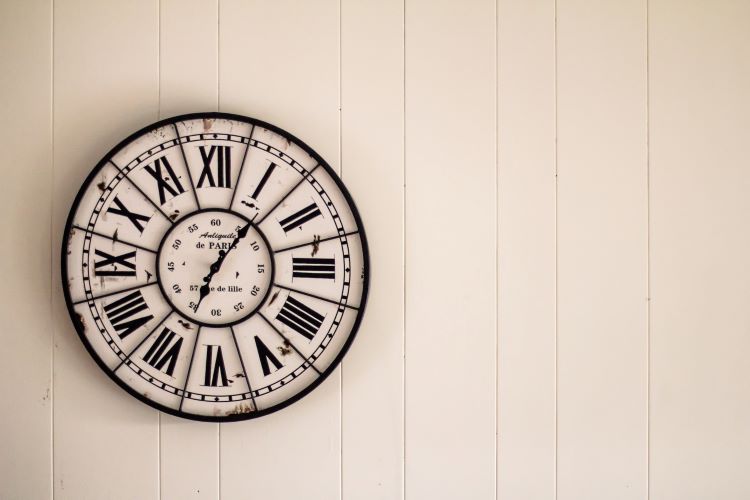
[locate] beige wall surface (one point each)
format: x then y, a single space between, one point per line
557 199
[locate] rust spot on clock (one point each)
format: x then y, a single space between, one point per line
101 186
315 245
273 297
174 215
239 375
185 324
80 322
285 349
240 409
115 236
207 123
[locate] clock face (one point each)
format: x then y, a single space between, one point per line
215 267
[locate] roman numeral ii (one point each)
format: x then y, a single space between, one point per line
298 218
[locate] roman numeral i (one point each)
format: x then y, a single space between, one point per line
122 313
222 165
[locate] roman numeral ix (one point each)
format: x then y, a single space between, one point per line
300 318
223 166
164 351
313 267
112 261
171 184
134 218
265 355
216 373
298 218
122 313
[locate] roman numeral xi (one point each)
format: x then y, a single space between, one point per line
169 184
217 159
123 313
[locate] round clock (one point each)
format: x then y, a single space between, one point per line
215 267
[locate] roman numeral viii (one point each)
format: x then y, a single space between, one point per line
298 218
222 165
300 318
165 351
216 373
169 184
265 355
122 313
134 218
313 267
111 261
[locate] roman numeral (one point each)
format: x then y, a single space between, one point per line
112 261
298 218
216 373
172 185
165 351
223 165
133 217
121 313
306 267
265 354
300 318
263 180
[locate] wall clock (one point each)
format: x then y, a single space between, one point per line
215 267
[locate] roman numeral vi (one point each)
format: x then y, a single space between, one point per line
216 373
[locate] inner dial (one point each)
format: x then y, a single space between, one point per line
215 267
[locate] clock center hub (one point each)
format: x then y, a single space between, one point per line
215 267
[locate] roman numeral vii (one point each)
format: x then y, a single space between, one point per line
216 373
165 351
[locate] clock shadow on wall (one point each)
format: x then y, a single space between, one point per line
215 267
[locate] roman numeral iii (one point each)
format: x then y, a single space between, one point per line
169 184
111 262
134 218
265 355
122 313
216 373
222 165
165 351
312 267
298 218
300 318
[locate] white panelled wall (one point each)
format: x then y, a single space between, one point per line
557 200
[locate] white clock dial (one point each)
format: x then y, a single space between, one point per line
215 267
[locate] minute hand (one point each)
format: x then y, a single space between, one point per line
206 289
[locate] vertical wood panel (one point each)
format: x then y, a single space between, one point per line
602 250
188 82
372 79
450 250
25 191
526 200
279 62
105 87
699 76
